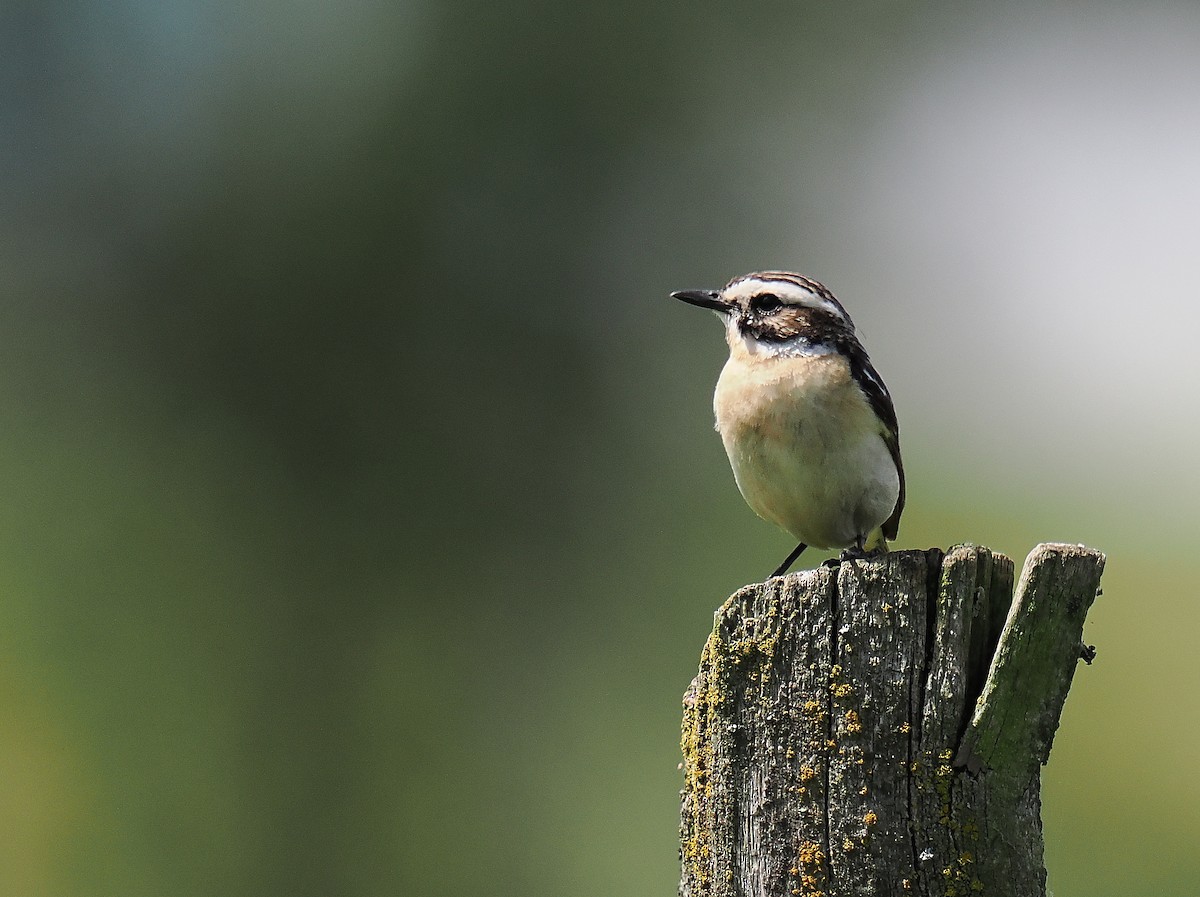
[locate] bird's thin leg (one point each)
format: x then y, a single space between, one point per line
789 560
857 551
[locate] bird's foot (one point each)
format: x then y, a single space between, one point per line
858 551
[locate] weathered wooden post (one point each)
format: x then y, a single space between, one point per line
879 729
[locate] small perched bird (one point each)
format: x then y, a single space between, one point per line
807 423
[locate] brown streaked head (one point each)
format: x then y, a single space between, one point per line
776 307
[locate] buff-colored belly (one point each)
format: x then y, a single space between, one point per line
806 449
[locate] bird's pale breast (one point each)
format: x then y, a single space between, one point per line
805 446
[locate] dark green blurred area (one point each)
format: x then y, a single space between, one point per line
361 516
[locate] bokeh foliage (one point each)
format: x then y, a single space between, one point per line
361 517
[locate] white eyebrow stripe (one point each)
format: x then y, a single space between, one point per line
796 290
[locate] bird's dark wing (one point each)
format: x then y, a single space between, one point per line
877 394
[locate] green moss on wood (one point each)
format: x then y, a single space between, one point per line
823 738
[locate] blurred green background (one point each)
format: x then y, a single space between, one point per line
361 518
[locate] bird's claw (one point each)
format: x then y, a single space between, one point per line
858 553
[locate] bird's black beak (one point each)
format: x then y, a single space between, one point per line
710 299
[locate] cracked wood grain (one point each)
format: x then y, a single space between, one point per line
878 729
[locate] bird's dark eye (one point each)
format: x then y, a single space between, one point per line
765 303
